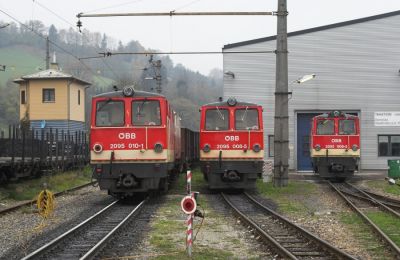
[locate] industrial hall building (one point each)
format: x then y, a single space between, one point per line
356 65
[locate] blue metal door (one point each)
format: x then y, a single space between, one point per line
303 141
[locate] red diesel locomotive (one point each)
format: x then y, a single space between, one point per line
134 140
335 144
231 143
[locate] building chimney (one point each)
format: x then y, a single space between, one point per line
54 64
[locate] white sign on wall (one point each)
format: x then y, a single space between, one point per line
387 118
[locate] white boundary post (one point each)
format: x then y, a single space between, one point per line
189 232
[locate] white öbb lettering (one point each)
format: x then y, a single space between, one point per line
127 135
232 138
336 140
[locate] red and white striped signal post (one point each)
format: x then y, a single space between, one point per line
189 206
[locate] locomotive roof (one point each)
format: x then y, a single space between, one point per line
341 115
137 93
224 103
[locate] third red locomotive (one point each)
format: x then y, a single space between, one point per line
231 144
335 144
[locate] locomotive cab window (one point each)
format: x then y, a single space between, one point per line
146 112
246 119
325 127
110 113
347 127
217 119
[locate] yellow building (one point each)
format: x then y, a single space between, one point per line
52 99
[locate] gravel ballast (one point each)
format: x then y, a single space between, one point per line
25 230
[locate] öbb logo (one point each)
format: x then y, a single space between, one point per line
127 135
231 138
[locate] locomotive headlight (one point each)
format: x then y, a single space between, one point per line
128 91
354 147
256 148
158 148
97 148
206 148
318 147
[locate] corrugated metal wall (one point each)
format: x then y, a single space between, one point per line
357 68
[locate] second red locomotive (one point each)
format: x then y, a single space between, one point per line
135 141
335 144
231 143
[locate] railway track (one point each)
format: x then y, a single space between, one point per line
388 201
385 203
362 203
18 206
87 239
288 240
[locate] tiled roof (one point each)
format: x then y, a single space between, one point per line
51 74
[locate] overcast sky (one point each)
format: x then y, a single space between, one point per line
192 33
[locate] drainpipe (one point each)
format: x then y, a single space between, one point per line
84 106
69 102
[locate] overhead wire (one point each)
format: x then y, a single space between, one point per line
53 43
60 17
113 6
76 43
170 21
186 5
108 54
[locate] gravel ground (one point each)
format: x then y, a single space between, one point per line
220 231
322 217
24 230
133 239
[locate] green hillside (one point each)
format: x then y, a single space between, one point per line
19 61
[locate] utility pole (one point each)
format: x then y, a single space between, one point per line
47 53
157 66
281 122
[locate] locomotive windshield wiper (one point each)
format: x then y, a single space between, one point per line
244 114
220 114
104 104
141 106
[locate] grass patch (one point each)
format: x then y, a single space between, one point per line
28 189
168 235
363 233
384 186
389 224
285 196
